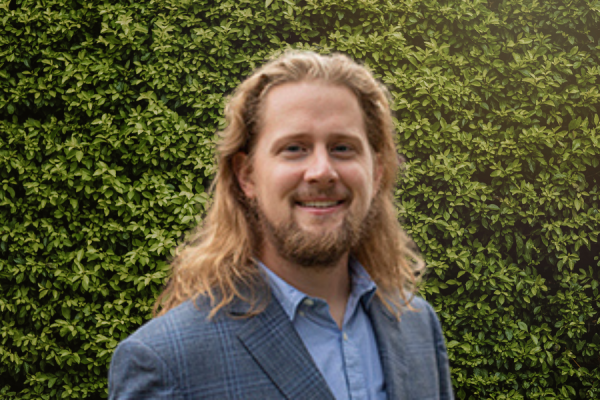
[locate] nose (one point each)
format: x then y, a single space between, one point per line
320 169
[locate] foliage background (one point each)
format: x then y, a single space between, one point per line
107 119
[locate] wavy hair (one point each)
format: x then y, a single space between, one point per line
218 261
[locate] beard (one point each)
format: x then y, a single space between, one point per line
315 249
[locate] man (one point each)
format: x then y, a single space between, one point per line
297 286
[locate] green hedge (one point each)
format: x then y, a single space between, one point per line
107 119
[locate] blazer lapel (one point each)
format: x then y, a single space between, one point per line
391 345
275 345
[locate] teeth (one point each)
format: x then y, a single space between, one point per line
319 204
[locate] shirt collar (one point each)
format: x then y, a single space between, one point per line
363 288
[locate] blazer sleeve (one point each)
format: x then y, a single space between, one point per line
443 364
138 372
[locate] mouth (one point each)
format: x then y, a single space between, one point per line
320 204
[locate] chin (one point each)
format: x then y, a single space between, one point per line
321 228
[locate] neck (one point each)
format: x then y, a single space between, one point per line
331 283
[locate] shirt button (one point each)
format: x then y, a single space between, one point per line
302 314
309 302
345 336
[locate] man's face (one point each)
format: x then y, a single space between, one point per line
313 175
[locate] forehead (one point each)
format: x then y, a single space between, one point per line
292 95
311 107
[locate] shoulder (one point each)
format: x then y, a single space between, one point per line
422 315
184 354
419 308
426 337
183 318
169 334
417 337
159 353
417 302
418 322
416 310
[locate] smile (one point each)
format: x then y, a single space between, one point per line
319 204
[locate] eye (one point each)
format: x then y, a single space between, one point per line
293 148
342 149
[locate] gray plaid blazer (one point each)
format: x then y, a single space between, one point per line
182 355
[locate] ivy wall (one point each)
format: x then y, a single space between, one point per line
107 118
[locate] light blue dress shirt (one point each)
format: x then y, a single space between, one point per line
348 358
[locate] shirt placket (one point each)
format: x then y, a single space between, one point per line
355 377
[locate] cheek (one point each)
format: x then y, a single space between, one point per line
277 181
361 180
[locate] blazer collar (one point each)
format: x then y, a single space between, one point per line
275 345
392 349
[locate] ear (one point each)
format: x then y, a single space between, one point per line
243 173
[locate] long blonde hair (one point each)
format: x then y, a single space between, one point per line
218 260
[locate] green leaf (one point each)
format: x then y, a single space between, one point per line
522 325
66 312
80 254
534 339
